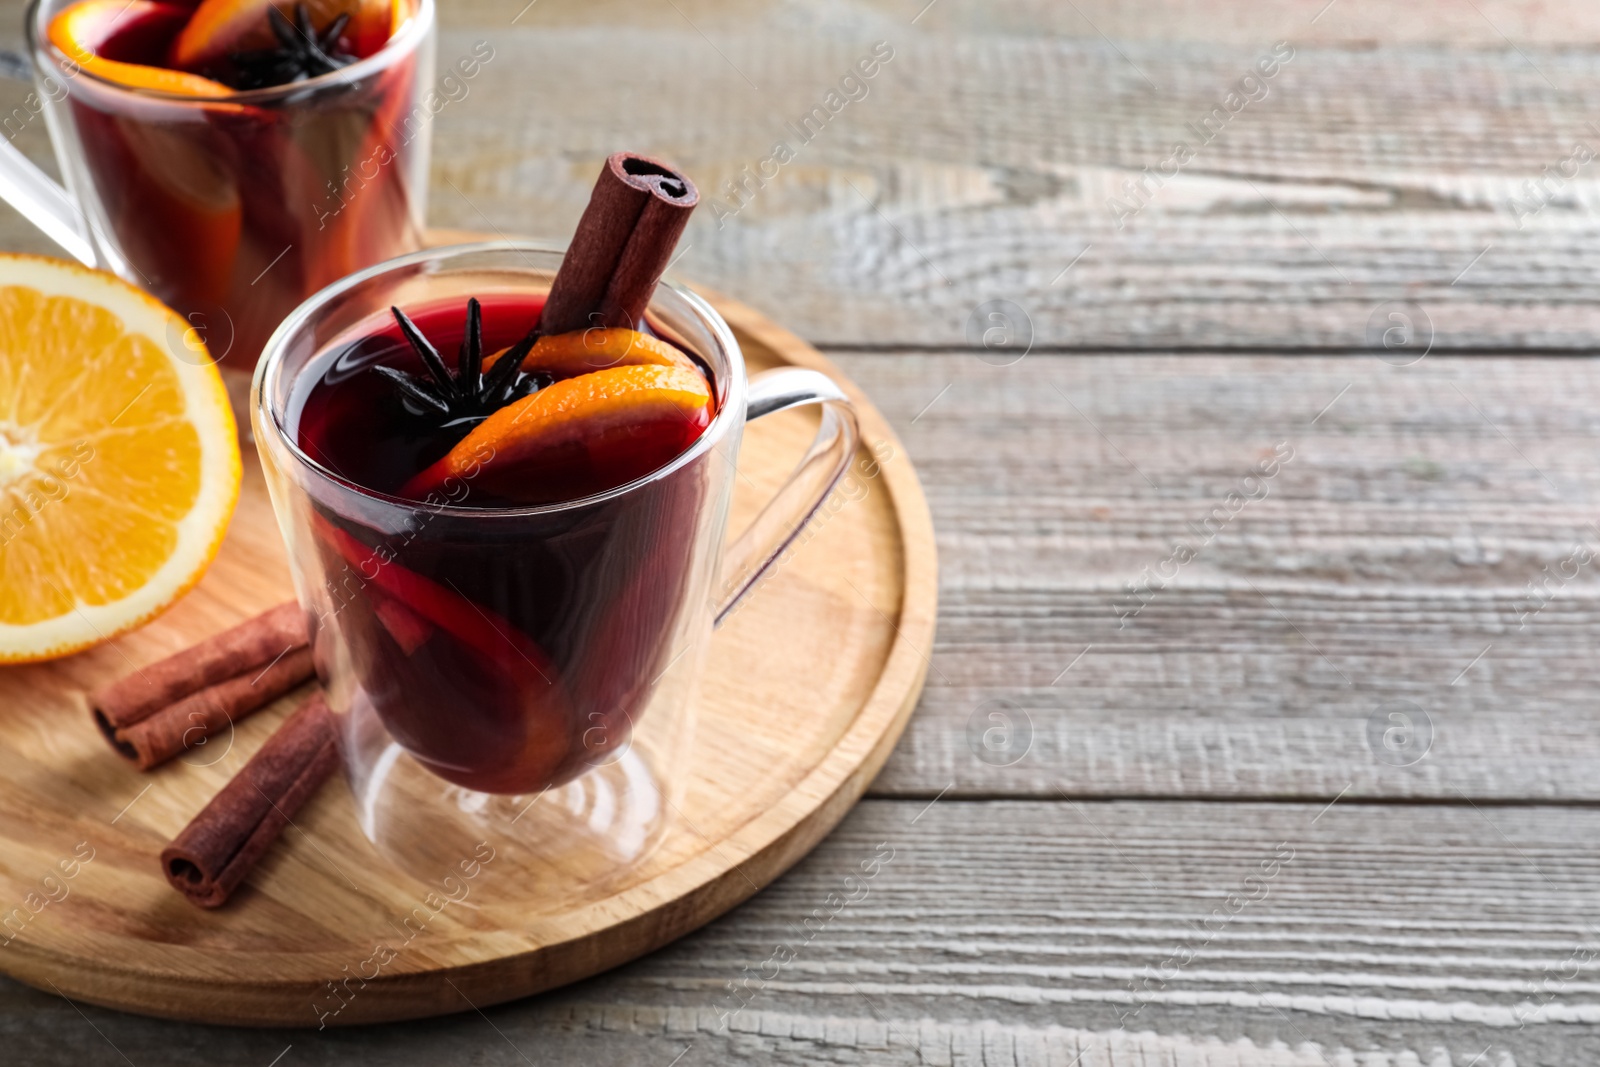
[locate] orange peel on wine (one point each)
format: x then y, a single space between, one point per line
627 420
568 355
85 31
221 28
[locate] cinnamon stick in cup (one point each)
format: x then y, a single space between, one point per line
623 244
168 707
212 855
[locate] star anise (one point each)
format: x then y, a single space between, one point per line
302 52
469 393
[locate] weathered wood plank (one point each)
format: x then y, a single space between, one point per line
1385 557
1026 933
979 165
1355 22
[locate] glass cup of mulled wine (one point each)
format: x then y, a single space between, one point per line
232 157
513 637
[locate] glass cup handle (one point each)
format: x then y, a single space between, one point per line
36 195
756 550
38 198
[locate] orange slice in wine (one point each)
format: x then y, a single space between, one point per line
219 28
427 603
579 436
567 355
104 37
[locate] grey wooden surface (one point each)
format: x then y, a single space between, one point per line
1195 833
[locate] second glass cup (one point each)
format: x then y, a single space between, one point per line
231 209
489 657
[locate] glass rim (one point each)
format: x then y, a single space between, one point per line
275 351
412 32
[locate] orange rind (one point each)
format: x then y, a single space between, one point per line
98 35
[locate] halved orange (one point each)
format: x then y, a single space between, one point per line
101 35
119 460
219 28
577 436
567 355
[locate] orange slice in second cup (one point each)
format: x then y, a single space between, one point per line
220 28
102 36
578 436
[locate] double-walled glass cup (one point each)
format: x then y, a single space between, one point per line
232 209
522 671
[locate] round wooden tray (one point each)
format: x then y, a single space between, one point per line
808 687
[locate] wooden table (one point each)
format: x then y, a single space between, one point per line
1302 775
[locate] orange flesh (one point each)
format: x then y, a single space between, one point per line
118 459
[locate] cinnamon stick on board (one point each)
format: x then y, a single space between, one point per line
623 243
168 707
224 842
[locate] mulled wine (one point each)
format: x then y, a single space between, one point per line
505 641
227 195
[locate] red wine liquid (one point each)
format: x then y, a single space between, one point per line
506 651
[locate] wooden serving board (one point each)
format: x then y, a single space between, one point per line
807 688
